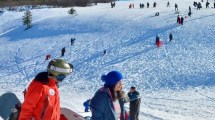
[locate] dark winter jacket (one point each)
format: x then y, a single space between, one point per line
176 6
182 20
178 19
157 39
102 106
134 95
134 105
63 50
170 37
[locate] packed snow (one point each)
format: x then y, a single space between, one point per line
176 81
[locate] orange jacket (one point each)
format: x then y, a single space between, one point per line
42 101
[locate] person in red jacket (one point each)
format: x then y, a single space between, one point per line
42 99
159 43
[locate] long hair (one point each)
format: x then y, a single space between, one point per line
115 95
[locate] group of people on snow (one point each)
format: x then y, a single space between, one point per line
112 98
131 6
63 50
180 20
159 43
141 5
147 4
113 4
42 99
108 102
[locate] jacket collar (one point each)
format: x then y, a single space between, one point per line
106 90
52 81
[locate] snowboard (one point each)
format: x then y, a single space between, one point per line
7 103
71 115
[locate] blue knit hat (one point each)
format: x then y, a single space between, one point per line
112 78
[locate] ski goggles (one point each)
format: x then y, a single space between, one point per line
61 77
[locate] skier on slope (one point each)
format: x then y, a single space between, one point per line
199 6
104 52
195 4
182 20
72 41
214 4
176 7
154 4
42 100
189 13
207 4
168 4
63 50
189 8
108 101
48 56
170 37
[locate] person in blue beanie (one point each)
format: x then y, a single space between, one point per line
108 101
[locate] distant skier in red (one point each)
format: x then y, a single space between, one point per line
178 20
158 42
48 56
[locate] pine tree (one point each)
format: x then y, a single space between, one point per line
27 19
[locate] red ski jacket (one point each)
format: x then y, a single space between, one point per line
42 101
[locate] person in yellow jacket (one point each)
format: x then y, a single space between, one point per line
42 100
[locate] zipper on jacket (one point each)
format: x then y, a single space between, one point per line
45 107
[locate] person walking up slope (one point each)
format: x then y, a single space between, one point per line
170 37
176 7
214 4
168 4
63 50
42 99
178 20
182 20
108 101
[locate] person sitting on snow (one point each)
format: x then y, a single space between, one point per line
157 14
158 42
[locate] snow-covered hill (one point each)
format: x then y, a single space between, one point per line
176 81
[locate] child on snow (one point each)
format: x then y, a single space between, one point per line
87 105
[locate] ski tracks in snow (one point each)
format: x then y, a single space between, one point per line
17 59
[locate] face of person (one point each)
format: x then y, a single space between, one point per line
131 90
118 86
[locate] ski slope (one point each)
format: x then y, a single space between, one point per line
176 81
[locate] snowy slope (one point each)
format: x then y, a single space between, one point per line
176 81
